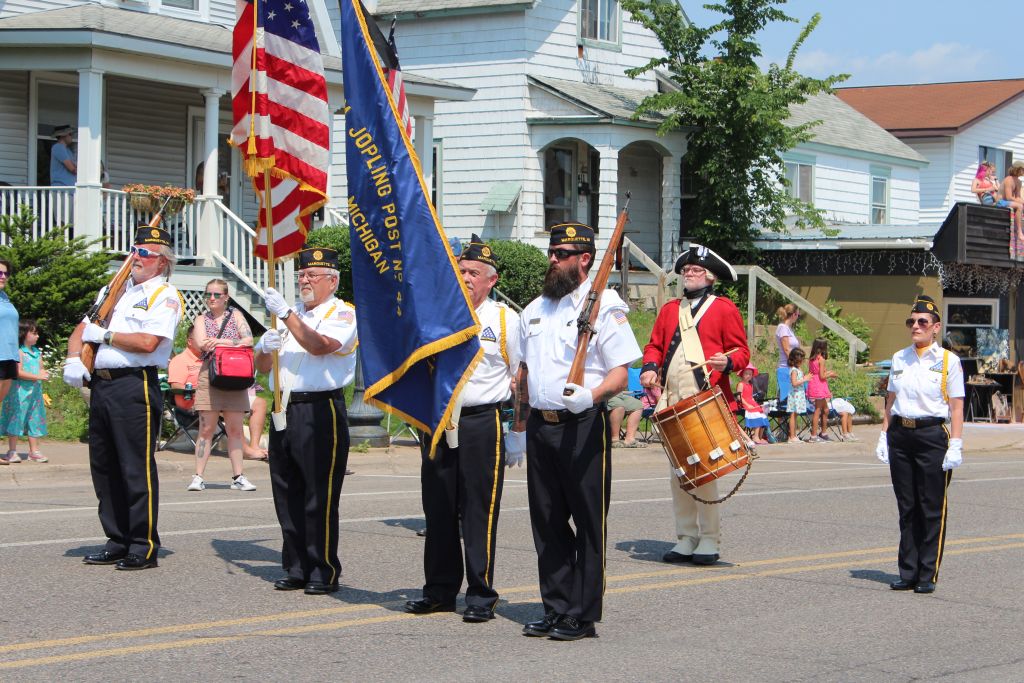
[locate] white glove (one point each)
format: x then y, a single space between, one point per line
275 303
579 399
954 455
515 448
269 342
75 373
882 449
93 334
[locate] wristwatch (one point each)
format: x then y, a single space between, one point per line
107 337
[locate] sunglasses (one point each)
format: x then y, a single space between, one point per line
923 322
3 274
215 295
562 254
142 252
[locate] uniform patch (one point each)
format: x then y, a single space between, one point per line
142 305
937 367
346 316
172 303
620 317
488 335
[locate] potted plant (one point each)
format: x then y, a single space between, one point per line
150 198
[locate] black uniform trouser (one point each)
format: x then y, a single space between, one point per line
569 476
920 485
462 489
307 468
124 425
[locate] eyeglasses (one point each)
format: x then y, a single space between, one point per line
694 270
562 254
3 274
923 322
142 252
215 295
312 277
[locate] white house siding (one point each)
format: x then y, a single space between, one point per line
1003 129
936 178
222 12
14 127
12 8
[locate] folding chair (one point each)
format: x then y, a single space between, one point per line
181 422
645 432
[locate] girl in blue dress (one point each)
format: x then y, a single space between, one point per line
23 411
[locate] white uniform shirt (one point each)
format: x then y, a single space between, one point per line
916 381
548 330
154 307
335 319
499 336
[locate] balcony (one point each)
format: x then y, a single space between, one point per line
978 235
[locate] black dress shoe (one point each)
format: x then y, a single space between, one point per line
902 585
476 613
925 587
676 558
571 628
705 560
428 605
289 583
103 557
421 532
133 562
541 627
318 588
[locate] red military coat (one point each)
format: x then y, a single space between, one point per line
720 329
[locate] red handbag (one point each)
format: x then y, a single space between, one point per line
231 367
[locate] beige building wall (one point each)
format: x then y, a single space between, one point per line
883 301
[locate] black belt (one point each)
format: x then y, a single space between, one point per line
114 373
564 415
918 422
313 396
476 410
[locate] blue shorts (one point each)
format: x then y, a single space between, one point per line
990 200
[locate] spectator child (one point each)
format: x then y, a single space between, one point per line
818 390
796 403
846 411
24 413
753 414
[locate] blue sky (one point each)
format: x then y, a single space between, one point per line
894 41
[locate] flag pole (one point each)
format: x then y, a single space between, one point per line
272 281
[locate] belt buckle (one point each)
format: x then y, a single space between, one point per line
103 373
550 415
908 422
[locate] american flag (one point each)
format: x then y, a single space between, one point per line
388 52
281 115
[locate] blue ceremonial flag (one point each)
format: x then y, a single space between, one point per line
417 328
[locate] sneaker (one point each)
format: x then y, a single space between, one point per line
814 439
197 484
13 457
850 437
240 483
794 441
36 456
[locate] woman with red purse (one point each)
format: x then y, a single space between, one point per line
220 325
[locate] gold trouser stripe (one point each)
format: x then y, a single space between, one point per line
149 469
494 495
604 504
330 492
942 524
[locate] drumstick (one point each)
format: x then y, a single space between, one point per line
695 368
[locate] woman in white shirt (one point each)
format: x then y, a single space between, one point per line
786 342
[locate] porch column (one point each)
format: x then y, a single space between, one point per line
671 201
209 238
610 201
88 220
424 143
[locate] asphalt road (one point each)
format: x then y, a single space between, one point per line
801 593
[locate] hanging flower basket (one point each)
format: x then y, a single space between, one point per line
150 198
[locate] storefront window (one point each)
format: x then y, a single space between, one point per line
964 317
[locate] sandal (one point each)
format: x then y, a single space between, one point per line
632 444
36 456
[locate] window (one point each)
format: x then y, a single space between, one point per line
1002 158
963 319
880 195
559 188
801 181
180 4
599 20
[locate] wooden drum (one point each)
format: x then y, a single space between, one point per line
702 438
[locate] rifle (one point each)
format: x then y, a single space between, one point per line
588 316
521 398
101 311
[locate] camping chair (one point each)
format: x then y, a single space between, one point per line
645 432
182 422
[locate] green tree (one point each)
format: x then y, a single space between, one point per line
55 278
336 237
522 269
737 115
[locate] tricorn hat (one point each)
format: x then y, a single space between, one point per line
699 255
318 257
60 131
925 304
149 235
572 233
476 250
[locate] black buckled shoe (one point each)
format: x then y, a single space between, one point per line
289 583
672 557
902 585
571 628
133 562
476 613
541 627
103 557
428 606
318 588
925 587
705 560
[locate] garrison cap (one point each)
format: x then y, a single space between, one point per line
572 233
699 255
149 235
476 250
925 304
318 257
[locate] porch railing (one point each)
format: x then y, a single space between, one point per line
52 206
238 253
